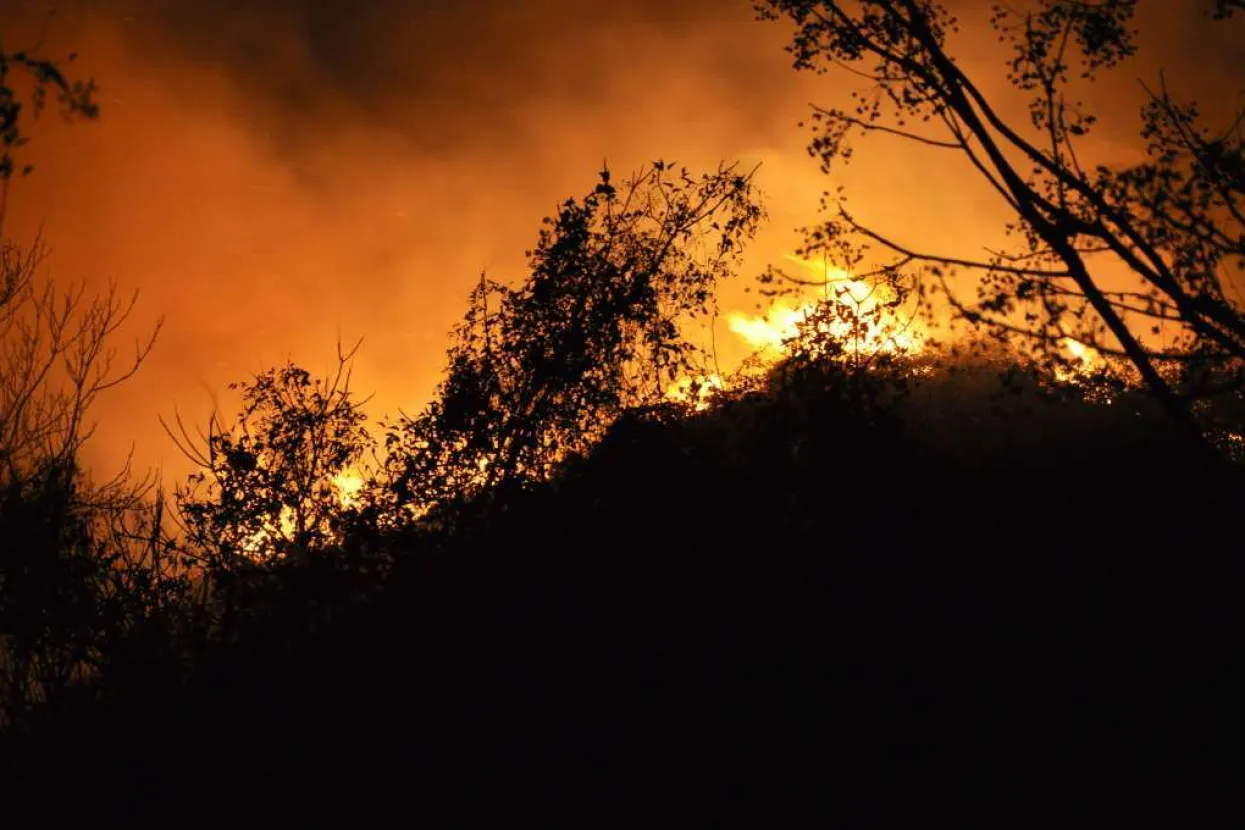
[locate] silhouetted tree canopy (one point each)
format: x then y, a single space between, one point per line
540 370
1176 221
269 484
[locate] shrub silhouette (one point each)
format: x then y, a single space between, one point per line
268 484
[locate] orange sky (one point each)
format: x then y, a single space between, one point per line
270 179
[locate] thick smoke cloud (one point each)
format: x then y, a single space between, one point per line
273 173
440 71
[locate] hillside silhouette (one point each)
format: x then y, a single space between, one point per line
791 600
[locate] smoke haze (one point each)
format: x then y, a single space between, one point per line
276 175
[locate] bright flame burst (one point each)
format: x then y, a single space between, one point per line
876 328
769 334
348 484
698 391
1081 364
1086 360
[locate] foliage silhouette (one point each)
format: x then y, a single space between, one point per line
1226 8
88 583
76 99
274 519
57 356
541 370
270 484
89 587
1174 221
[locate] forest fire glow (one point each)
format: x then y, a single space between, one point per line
1086 359
769 333
1079 363
349 484
697 392
861 316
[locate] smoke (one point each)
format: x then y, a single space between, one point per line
274 175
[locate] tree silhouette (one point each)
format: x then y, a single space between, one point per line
825 577
269 485
540 370
89 585
56 358
85 569
1176 221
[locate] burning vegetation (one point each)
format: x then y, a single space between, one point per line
918 492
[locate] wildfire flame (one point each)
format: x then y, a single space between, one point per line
769 334
1080 362
873 326
348 484
698 391
870 323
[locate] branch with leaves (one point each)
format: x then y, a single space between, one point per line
1174 221
57 356
75 98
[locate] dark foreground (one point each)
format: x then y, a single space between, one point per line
754 636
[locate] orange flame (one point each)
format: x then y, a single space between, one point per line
697 392
877 328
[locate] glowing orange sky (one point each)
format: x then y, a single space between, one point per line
274 178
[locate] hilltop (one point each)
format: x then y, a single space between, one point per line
795 597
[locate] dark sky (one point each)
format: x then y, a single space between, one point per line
440 72
401 61
271 173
